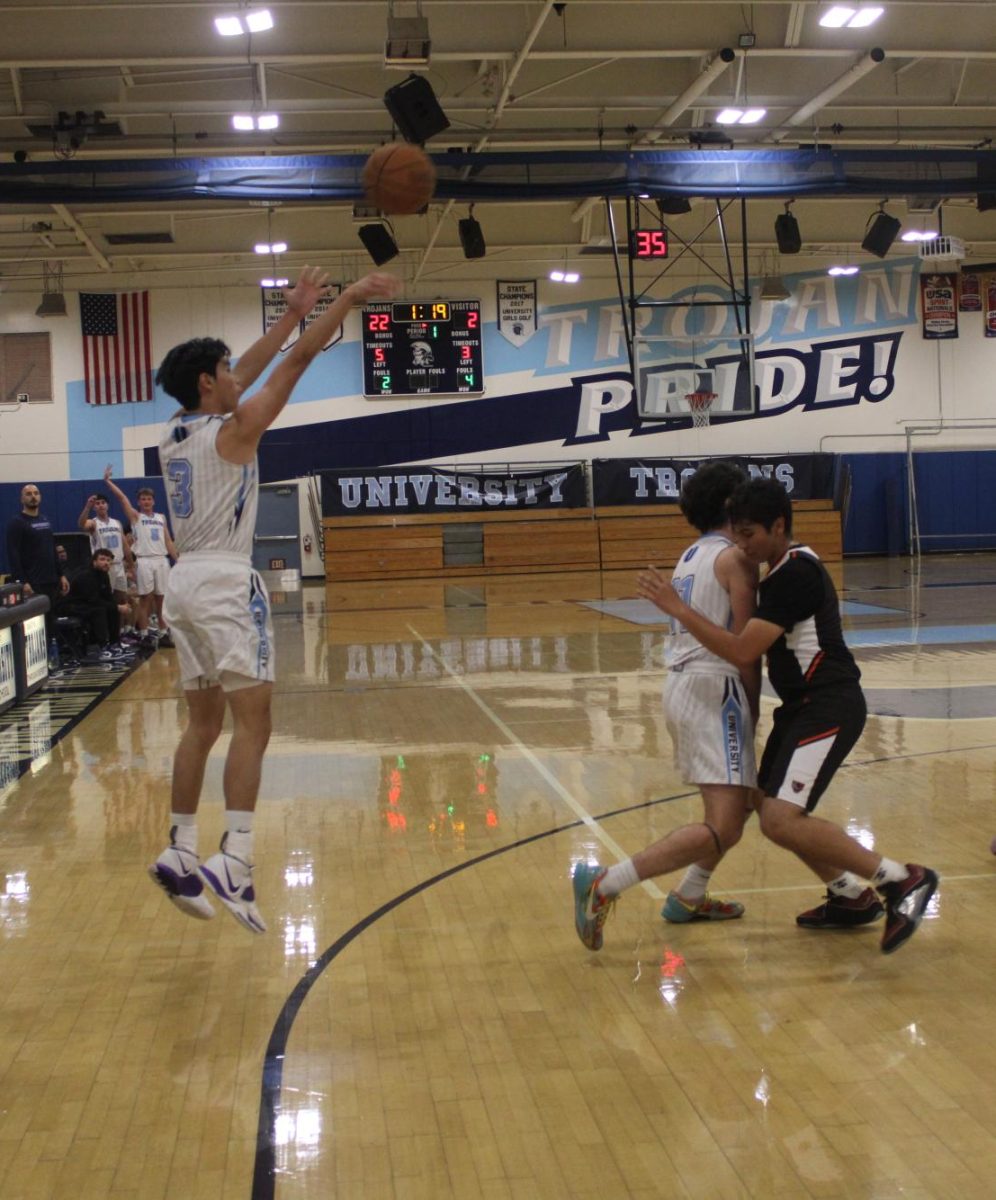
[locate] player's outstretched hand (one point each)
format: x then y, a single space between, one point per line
378 285
652 586
308 290
108 472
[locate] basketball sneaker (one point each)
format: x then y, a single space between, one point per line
590 910
905 904
843 912
176 872
231 881
678 911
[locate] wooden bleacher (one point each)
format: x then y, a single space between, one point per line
518 542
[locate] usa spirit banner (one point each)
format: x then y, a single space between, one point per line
659 480
939 305
427 489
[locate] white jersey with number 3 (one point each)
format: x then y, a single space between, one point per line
212 503
695 581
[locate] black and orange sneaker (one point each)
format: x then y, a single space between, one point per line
843 912
905 903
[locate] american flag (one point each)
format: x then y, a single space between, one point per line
117 347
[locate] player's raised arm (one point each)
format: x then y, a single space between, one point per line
86 521
129 509
238 440
301 299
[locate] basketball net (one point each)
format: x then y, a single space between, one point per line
700 405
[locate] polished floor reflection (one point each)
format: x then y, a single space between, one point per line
421 1021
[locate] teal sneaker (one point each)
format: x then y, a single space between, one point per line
590 909
678 911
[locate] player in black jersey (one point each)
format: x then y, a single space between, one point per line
797 624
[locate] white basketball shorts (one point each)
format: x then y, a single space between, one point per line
219 615
152 574
709 721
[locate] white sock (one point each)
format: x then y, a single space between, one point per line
618 878
183 830
238 834
695 884
889 872
847 885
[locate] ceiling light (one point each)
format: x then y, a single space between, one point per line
274 282
257 20
741 116
843 270
918 235
773 288
246 122
846 16
270 247
262 248
564 276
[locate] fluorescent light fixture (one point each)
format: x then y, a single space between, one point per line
257 20
246 122
741 116
267 248
564 276
274 282
865 17
262 247
278 248
843 270
917 235
846 16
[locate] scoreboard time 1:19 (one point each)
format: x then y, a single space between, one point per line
430 348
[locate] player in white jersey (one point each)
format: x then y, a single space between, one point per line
152 547
710 708
107 533
216 603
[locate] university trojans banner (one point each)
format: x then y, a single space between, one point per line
658 480
428 489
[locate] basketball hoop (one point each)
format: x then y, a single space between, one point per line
700 405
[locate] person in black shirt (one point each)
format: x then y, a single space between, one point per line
797 624
31 551
91 598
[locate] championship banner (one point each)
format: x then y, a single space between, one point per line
939 305
516 309
659 480
428 489
275 307
970 292
989 302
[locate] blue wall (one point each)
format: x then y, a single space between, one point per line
62 502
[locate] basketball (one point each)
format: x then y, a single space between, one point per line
399 178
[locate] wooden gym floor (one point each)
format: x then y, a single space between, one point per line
421 1021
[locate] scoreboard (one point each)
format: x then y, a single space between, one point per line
430 348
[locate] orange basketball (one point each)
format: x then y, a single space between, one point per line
399 178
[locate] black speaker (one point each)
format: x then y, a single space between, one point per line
380 245
415 110
985 201
787 234
471 238
883 233
673 206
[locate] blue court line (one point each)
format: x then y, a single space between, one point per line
929 635
854 608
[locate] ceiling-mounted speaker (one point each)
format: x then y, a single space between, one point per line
883 232
415 110
673 206
472 238
380 245
985 201
53 304
787 234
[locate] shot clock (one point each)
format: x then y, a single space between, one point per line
423 348
647 244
